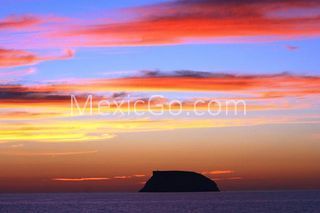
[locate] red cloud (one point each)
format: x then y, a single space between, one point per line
268 86
183 21
177 22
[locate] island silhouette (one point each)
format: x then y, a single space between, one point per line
179 181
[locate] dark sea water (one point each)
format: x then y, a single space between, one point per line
249 202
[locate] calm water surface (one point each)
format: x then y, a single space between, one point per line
249 202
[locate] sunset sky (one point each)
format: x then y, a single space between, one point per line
265 53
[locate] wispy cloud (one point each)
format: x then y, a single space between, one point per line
7 76
81 179
27 115
219 172
121 177
50 154
19 22
13 58
292 48
139 175
17 73
228 178
90 129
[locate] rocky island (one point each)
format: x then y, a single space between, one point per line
179 181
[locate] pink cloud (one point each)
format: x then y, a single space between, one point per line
14 58
18 22
17 73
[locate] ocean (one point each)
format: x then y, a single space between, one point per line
248 202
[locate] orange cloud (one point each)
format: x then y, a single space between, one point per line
267 86
123 177
12 58
95 129
81 179
138 175
51 103
55 99
21 115
219 172
229 178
